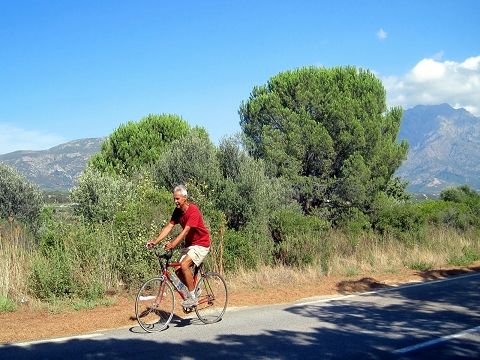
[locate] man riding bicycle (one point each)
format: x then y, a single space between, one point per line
197 240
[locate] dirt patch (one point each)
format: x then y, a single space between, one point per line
27 324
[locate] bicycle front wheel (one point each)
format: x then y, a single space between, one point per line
212 298
155 305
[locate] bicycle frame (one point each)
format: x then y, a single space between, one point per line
165 265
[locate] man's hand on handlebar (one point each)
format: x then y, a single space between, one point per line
167 246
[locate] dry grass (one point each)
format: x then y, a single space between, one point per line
356 264
14 259
272 276
365 253
383 255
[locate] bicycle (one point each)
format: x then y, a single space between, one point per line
155 302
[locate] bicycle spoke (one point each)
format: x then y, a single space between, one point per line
154 305
212 299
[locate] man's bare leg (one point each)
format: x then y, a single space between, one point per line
185 274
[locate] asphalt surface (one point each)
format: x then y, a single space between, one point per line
431 320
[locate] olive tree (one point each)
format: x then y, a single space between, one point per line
99 196
329 132
246 194
18 198
190 158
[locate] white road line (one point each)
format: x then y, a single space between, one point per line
436 341
45 341
328 299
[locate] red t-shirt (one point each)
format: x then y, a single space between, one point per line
198 234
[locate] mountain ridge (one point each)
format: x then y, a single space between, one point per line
444 148
57 168
444 151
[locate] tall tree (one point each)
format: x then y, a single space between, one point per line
328 131
135 144
244 188
191 158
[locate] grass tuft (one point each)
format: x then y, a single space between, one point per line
418 265
7 305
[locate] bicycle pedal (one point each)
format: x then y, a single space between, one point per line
188 310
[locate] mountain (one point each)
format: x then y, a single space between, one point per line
57 168
444 151
444 148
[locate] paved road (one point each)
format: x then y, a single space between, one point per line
434 320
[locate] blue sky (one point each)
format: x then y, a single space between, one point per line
80 69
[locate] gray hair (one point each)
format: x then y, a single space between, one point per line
182 189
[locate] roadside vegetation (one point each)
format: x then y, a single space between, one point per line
309 184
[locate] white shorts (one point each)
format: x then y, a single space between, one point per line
196 253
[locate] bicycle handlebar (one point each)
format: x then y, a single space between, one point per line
167 255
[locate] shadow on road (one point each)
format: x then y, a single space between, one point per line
353 328
441 274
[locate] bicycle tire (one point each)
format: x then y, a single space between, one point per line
155 304
212 299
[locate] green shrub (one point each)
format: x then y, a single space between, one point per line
418 265
351 271
100 196
132 260
469 256
458 207
90 304
6 305
239 251
18 198
260 235
447 213
51 276
72 260
51 268
453 194
140 221
397 217
242 192
300 240
354 222
114 224
285 223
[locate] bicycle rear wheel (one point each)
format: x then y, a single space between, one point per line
155 305
212 299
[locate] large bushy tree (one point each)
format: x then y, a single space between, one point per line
18 198
99 196
189 159
329 132
246 194
136 144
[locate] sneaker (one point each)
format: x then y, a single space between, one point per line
190 302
